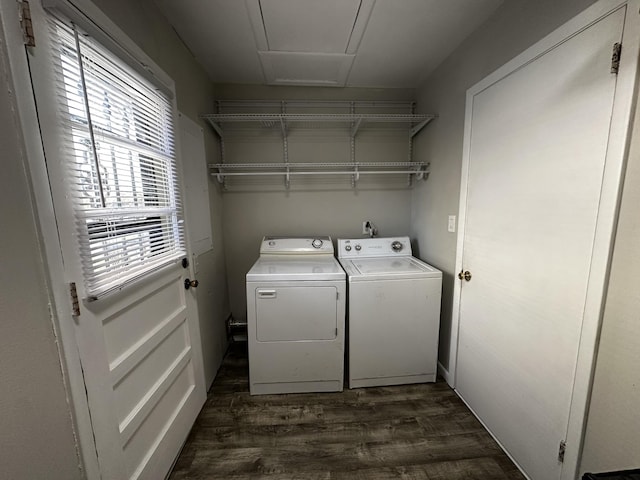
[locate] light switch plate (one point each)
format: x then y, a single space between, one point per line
451 227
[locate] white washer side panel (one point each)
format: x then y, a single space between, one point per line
290 359
393 331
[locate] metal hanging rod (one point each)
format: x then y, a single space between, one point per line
383 104
419 169
318 172
318 117
241 166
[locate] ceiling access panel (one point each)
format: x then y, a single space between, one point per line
309 25
306 42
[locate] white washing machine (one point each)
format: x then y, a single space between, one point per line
296 300
393 312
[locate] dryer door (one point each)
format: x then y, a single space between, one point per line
292 313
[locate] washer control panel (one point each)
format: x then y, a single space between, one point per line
296 246
373 247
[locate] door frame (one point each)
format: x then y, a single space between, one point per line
61 314
615 162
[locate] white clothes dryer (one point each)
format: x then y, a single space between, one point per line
393 315
296 301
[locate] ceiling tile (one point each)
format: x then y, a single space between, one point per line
309 25
299 68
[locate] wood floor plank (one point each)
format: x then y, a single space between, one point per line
425 393
235 436
313 413
316 457
405 432
282 435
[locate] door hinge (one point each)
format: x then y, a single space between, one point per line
75 304
337 295
561 449
24 13
615 57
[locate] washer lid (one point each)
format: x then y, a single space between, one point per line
295 267
389 268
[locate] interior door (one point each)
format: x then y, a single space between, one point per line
537 155
140 347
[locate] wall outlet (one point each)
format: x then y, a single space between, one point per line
365 229
451 227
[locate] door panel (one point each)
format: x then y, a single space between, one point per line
537 155
140 346
141 443
196 186
132 388
296 313
126 329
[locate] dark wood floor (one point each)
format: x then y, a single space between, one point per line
402 432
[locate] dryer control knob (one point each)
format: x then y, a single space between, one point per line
348 248
358 247
317 243
396 246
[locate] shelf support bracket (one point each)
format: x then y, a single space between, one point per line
418 127
423 172
217 128
287 179
355 127
285 140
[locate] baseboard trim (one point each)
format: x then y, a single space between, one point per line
444 373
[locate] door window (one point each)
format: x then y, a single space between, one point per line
119 152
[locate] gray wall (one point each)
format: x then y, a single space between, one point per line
333 208
143 23
37 439
514 27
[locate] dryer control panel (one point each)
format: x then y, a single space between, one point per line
320 245
374 247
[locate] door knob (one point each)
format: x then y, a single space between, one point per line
464 275
190 283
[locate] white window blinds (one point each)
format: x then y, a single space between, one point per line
120 162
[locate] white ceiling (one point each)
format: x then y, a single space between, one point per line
357 43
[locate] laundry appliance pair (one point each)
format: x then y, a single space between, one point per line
298 296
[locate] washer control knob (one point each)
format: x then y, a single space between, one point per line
396 246
317 243
348 248
358 247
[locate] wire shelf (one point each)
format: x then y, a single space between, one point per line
274 115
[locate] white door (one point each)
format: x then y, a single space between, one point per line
139 346
537 147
